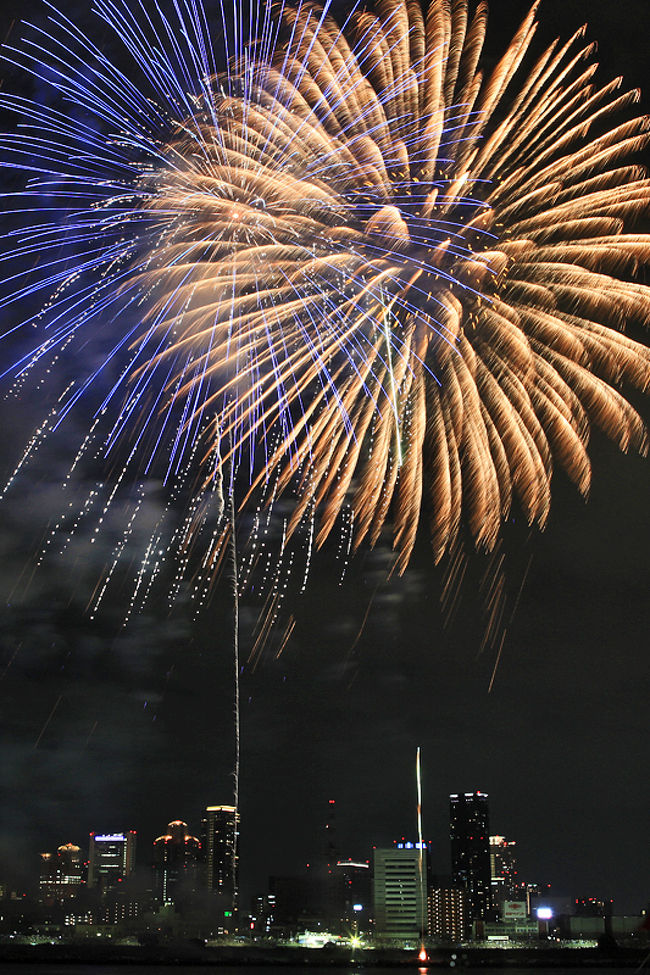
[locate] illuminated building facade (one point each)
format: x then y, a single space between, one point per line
176 863
117 910
449 913
469 831
220 843
111 859
399 891
61 874
503 867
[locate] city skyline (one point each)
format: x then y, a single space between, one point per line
114 857
394 897
470 858
97 720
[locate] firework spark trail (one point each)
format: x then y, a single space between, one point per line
47 721
421 873
395 287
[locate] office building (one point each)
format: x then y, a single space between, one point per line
469 830
176 863
220 843
399 891
111 859
61 874
503 868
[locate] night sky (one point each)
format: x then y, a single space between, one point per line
142 726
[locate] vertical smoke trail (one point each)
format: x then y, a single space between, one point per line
232 548
423 899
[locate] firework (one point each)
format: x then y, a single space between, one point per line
349 269
474 258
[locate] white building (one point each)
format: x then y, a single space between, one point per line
399 891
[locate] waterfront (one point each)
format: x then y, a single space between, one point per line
192 957
72 968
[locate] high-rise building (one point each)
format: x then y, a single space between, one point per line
111 859
399 889
503 867
469 829
220 842
176 863
448 913
353 888
61 874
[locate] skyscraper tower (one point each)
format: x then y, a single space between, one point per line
176 862
220 841
503 866
469 831
111 859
